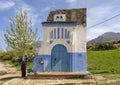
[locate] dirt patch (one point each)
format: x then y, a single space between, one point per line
9 76
6 72
24 81
96 80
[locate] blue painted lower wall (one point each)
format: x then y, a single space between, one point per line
77 63
37 67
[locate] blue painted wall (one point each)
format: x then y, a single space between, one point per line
59 24
37 67
77 63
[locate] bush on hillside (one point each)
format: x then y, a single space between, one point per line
15 56
105 45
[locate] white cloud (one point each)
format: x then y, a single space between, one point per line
6 4
99 14
32 13
99 30
46 9
71 1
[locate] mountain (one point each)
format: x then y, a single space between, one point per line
105 37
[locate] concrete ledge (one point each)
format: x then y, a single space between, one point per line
58 75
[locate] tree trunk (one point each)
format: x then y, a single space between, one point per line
23 69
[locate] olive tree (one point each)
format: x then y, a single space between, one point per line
20 35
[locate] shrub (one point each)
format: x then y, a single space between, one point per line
101 46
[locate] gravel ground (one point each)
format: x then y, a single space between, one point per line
9 76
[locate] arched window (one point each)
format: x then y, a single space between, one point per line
62 35
54 33
58 33
65 33
57 18
61 18
68 35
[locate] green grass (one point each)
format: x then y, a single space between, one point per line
104 61
99 62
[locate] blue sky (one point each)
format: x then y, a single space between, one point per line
97 11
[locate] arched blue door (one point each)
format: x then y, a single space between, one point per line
59 59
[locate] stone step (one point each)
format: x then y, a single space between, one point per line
56 75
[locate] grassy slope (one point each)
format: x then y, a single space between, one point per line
98 62
104 61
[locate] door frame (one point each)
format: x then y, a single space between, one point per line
67 62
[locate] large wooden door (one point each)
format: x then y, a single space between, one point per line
59 60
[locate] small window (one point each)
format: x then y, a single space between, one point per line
65 33
62 33
68 35
57 18
58 33
61 18
51 34
54 33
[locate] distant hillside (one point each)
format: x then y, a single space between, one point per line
106 37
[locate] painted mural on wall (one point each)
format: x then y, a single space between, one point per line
64 46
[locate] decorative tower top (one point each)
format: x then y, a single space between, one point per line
68 15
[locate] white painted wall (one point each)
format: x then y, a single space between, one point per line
77 40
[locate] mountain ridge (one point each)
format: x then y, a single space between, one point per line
108 36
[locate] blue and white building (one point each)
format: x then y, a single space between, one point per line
64 46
